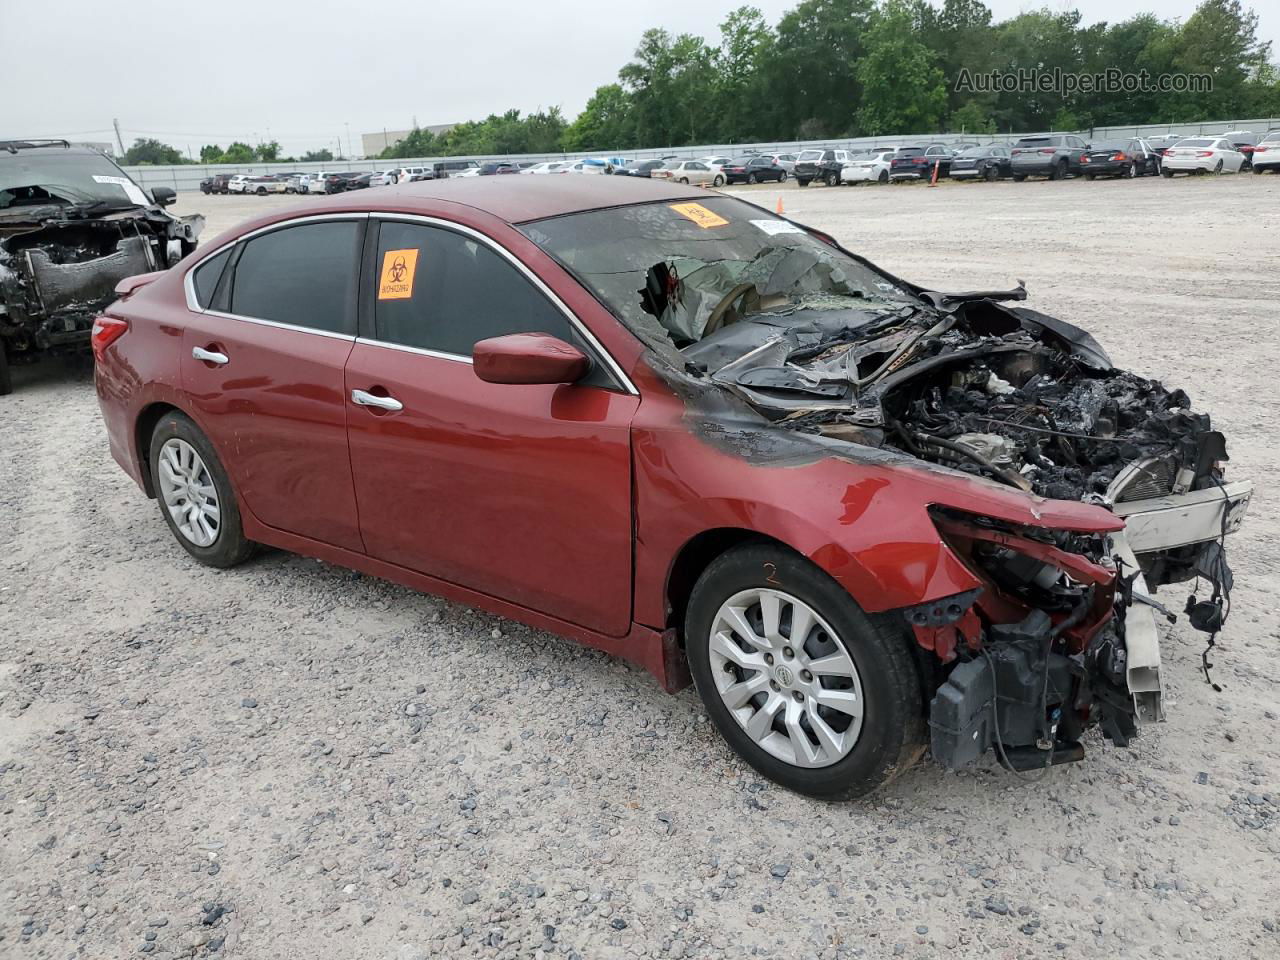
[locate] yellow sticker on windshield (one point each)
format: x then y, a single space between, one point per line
398 266
699 215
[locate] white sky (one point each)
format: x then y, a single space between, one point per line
307 73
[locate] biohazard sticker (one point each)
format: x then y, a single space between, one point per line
398 266
699 215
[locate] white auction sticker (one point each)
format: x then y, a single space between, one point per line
773 227
131 189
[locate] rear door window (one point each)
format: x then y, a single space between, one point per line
206 276
304 276
442 291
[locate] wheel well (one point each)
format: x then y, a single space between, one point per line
143 429
694 557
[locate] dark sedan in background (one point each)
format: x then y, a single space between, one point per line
917 163
753 170
1056 156
637 168
990 163
1119 158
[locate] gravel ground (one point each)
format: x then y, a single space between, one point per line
292 760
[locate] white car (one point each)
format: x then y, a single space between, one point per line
546 166
687 171
384 178
313 183
1266 155
236 183
407 174
1201 155
863 167
581 166
466 172
715 163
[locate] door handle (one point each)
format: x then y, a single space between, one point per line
372 400
212 356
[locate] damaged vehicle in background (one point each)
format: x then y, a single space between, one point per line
866 517
73 226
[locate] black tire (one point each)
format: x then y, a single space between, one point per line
832 179
893 731
1019 177
1089 176
752 178
990 172
6 378
1167 174
1218 167
884 177
1131 171
683 180
717 181
1059 171
1258 170
230 547
803 182
782 177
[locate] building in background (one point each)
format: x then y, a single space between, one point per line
372 144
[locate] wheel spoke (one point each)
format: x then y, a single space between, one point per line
771 614
737 619
806 753
212 512
761 721
846 701
835 664
738 694
832 742
723 645
801 623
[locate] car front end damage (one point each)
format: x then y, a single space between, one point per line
1058 632
59 269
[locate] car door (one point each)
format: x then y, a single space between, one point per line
263 359
520 492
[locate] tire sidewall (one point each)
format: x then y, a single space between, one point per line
889 687
230 547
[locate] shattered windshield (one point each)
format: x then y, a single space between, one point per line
39 178
676 272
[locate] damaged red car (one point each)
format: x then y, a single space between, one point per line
865 517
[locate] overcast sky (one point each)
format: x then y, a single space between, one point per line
307 73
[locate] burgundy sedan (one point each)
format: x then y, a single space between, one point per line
863 516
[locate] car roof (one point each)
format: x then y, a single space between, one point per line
521 199
8 147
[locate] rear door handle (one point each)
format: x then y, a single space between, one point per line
212 356
372 400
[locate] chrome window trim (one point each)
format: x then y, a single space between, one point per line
614 367
421 351
188 279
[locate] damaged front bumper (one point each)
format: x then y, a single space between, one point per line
1028 688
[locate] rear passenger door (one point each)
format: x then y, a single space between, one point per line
520 492
271 324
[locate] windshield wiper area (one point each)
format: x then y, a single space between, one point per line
947 302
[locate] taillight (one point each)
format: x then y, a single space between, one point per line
1259 149
1085 159
1119 156
1048 150
1204 153
106 331
1168 153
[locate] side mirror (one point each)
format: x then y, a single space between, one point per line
164 195
528 358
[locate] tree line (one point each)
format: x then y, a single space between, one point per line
846 68
849 68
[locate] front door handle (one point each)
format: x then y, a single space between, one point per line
372 400
212 356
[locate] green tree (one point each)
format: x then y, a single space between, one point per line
739 89
903 88
1221 40
268 152
317 156
668 80
972 117
240 153
148 151
606 123
211 153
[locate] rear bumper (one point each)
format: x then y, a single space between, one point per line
1034 168
1188 164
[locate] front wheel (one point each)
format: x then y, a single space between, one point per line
803 685
990 173
1019 177
752 178
833 179
782 177
717 181
803 182
684 180
1059 171
195 494
1217 167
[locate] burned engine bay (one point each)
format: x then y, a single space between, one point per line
59 267
960 380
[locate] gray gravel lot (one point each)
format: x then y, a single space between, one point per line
292 760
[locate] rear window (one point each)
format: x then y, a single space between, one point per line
1039 142
1111 145
303 275
741 161
974 152
206 276
808 156
911 152
1195 143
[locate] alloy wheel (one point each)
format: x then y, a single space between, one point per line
189 493
786 677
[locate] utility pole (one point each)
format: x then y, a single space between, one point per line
347 124
119 140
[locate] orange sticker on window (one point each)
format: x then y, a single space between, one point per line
398 266
699 215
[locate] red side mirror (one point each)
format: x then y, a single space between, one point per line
528 358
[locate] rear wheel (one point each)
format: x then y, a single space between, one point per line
1019 177
802 181
782 177
990 172
802 684
884 177
1088 176
1167 174
684 180
833 179
1257 170
717 181
1059 171
752 178
1131 171
195 494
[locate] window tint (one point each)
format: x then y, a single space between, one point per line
206 276
303 275
459 291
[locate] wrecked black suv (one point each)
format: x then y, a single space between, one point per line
72 226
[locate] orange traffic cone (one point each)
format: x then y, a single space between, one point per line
779 211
